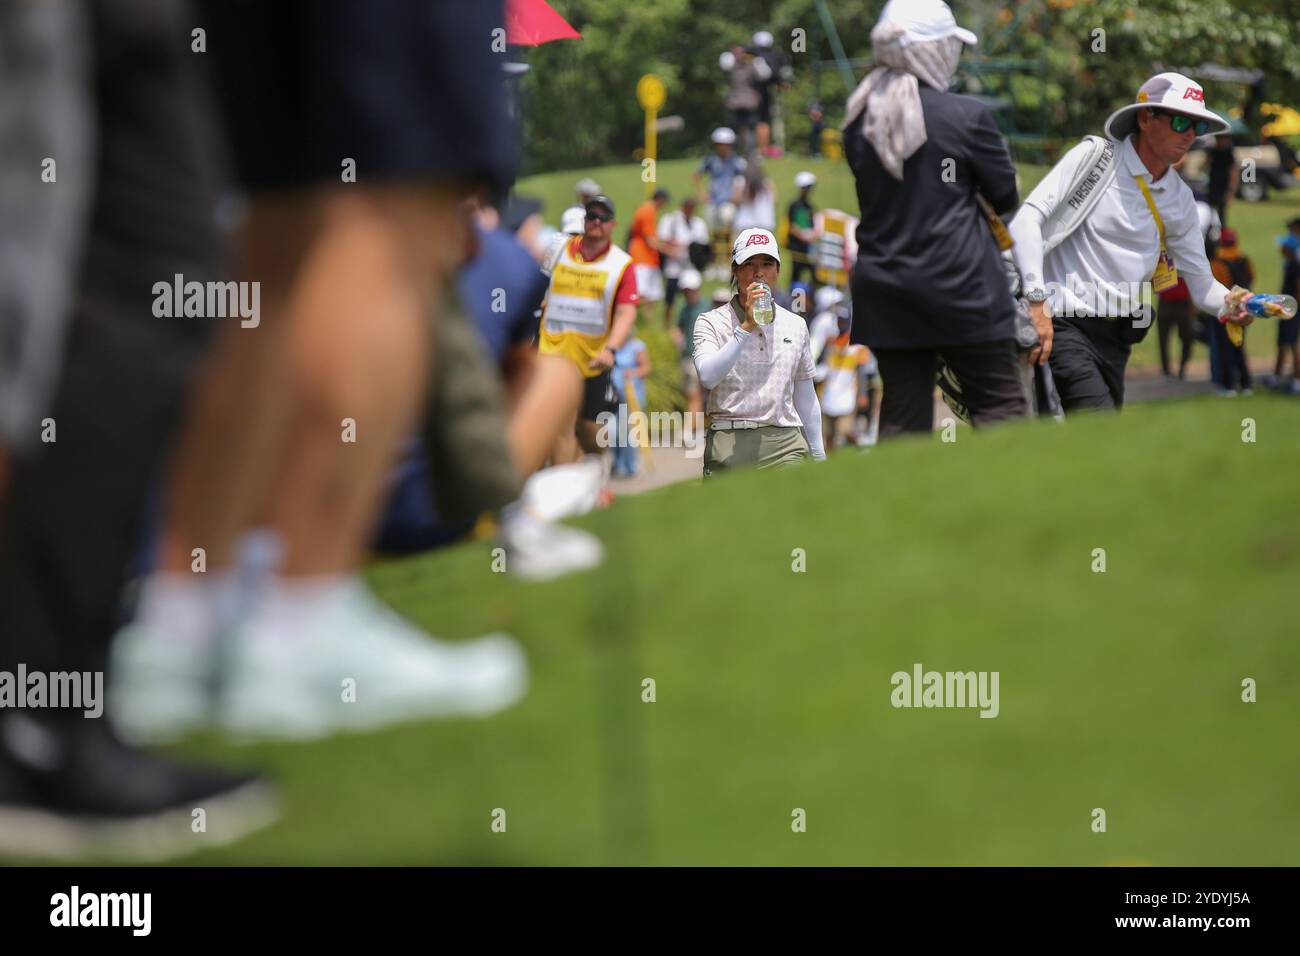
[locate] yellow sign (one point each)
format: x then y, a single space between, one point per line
650 92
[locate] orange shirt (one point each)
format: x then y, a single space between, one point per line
644 225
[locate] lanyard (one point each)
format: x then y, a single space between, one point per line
1155 213
1165 275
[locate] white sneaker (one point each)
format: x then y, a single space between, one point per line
538 550
359 666
565 491
161 687
165 662
1294 387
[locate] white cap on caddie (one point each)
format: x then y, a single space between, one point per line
689 279
924 20
572 221
827 297
754 242
724 134
805 179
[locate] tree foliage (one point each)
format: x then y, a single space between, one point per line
579 105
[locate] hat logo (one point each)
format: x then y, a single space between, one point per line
1194 94
1142 96
757 239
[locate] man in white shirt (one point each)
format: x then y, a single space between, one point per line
1085 291
762 404
678 231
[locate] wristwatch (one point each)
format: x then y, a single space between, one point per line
1035 296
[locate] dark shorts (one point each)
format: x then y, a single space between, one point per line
744 119
598 395
409 89
1288 332
1088 362
670 292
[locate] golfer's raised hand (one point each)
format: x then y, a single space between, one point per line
754 288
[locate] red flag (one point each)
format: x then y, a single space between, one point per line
533 22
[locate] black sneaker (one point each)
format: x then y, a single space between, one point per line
70 790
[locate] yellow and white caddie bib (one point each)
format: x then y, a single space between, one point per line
580 305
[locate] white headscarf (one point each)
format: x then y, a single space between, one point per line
893 122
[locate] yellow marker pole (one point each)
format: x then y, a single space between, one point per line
650 94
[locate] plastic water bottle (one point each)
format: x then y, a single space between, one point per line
763 311
1267 306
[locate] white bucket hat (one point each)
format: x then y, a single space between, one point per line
724 134
924 20
804 179
754 242
1171 92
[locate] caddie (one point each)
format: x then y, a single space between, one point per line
588 316
1110 217
762 404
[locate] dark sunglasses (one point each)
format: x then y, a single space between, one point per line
1181 124
599 217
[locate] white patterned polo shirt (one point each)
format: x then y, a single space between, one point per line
760 386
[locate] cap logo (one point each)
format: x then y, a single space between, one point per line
1142 96
757 239
1194 94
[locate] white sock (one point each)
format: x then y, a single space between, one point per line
257 556
290 606
182 605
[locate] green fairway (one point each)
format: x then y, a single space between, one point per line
1119 690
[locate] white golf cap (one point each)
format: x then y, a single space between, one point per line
805 179
721 295
724 134
762 38
689 279
572 221
587 187
1171 92
754 242
924 20
827 297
